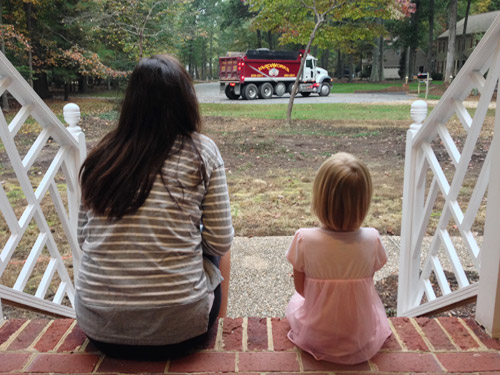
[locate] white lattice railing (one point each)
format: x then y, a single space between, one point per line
446 199
39 197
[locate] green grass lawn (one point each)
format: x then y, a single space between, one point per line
352 87
333 111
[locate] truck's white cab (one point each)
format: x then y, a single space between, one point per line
319 79
310 69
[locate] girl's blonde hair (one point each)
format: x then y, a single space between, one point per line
342 192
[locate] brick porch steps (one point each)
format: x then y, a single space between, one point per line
252 346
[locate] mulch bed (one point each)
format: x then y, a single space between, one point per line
387 289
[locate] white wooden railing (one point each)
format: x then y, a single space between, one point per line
434 204
29 240
445 200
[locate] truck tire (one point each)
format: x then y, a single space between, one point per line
324 89
289 88
279 89
230 93
250 91
265 90
305 94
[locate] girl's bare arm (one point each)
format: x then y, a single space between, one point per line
298 280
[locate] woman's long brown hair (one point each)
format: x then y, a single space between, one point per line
160 105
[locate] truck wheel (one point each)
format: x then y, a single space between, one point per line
230 93
305 94
290 88
324 89
279 89
250 92
265 90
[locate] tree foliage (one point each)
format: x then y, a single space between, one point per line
60 41
44 46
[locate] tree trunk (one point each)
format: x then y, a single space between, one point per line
66 91
340 66
5 99
301 69
196 72
381 56
413 62
376 58
351 68
429 57
324 59
41 85
210 57
190 58
259 39
375 73
83 86
270 40
407 63
27 12
141 37
361 64
414 39
450 57
464 33
203 60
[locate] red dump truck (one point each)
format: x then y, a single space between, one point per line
262 73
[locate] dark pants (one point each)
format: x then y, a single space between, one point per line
163 352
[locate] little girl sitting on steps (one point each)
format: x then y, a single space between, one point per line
336 314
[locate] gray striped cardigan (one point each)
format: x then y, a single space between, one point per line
142 279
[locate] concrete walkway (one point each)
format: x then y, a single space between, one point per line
261 277
253 346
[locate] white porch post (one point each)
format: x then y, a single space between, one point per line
408 274
71 114
488 299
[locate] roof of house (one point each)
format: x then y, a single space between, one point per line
477 23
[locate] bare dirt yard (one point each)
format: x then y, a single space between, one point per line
270 167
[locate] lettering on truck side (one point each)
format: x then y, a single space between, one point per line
273 65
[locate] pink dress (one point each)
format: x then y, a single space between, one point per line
341 319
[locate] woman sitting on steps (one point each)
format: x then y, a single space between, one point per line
155 223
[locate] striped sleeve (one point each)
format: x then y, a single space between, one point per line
82 223
218 231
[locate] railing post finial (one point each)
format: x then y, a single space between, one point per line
71 113
418 112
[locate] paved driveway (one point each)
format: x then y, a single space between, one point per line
209 93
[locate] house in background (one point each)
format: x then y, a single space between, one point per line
392 61
477 25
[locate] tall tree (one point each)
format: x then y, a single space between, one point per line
450 56
377 73
300 21
430 41
320 15
464 31
28 11
5 99
137 26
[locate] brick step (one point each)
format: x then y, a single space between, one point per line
251 346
